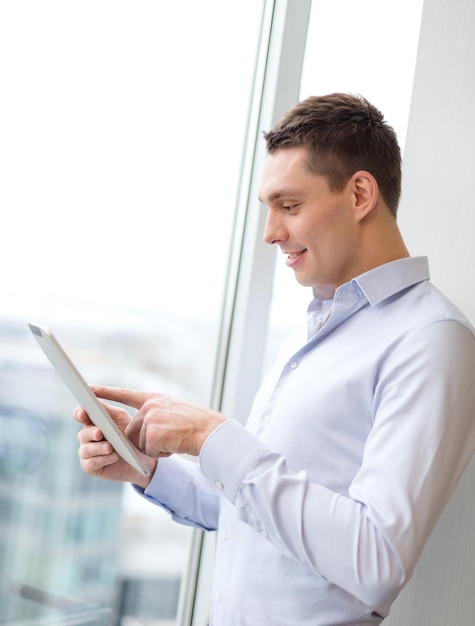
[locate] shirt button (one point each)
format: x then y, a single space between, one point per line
294 364
268 419
219 485
219 596
224 535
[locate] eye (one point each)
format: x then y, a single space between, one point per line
288 207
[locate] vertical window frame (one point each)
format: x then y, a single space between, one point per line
251 265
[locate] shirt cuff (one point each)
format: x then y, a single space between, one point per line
169 477
228 455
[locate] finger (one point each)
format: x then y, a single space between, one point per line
94 457
90 433
80 415
134 432
96 449
129 397
146 439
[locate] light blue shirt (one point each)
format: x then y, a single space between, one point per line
354 444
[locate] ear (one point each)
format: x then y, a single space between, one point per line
364 193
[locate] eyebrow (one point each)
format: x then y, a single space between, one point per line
281 193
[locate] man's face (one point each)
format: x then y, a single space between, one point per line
313 226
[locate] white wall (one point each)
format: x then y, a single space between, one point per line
437 218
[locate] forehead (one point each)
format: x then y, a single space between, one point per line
286 174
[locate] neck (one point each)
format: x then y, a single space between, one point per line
381 242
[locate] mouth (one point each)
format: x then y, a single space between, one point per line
294 257
293 254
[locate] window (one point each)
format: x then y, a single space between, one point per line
122 136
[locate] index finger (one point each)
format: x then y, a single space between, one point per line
129 397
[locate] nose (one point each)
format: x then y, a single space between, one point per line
274 230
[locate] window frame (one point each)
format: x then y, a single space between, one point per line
251 265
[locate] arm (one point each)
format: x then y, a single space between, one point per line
368 541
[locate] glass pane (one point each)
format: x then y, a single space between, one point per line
122 131
364 47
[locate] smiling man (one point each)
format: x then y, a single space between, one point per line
358 437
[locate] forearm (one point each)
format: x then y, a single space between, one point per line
328 532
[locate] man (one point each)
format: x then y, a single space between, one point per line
357 439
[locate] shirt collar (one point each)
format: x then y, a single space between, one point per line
386 280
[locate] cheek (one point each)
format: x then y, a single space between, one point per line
332 243
323 235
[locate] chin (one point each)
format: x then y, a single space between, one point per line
304 279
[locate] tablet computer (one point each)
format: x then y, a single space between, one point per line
86 398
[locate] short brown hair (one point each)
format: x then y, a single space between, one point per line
344 133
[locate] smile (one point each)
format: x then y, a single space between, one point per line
294 255
293 258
